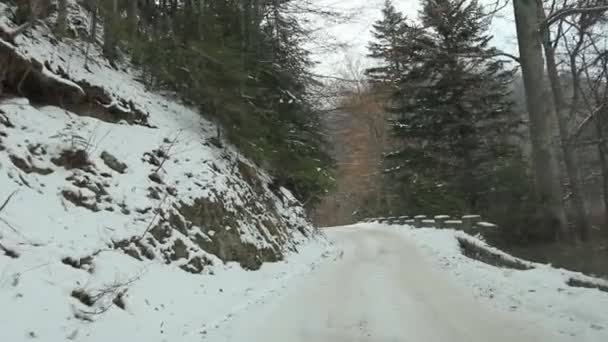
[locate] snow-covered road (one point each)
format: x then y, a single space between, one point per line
381 288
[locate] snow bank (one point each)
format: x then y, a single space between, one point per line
541 295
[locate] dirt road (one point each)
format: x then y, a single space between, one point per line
381 289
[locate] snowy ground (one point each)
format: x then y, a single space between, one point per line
163 303
393 283
376 283
54 248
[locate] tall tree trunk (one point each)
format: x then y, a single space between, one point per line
548 187
245 7
132 20
602 151
580 216
62 18
201 18
25 11
94 5
109 29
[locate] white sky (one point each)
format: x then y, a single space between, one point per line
356 33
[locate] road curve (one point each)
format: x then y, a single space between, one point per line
382 289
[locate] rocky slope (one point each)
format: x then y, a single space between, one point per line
103 181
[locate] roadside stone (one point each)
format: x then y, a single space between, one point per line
113 163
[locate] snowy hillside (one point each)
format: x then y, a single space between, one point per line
123 205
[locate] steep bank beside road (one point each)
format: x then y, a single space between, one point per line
119 207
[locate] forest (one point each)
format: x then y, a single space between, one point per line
459 125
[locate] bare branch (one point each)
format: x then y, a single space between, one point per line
156 214
8 199
566 12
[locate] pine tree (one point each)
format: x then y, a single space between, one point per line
388 34
242 62
451 104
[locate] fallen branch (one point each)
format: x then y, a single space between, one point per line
20 85
2 207
166 151
8 199
158 210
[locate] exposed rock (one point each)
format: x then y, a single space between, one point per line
11 253
85 263
154 193
161 233
73 159
32 79
80 201
226 244
155 177
172 191
588 284
180 250
28 167
5 121
195 265
135 248
36 150
489 257
83 296
250 176
113 163
119 300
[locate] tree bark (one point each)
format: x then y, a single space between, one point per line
602 150
109 29
94 5
548 187
132 20
25 11
580 216
62 18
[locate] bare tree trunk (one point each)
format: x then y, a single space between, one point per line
94 18
62 18
602 150
580 216
548 187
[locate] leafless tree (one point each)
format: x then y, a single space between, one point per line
548 187
568 26
560 110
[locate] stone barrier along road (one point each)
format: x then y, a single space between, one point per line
466 222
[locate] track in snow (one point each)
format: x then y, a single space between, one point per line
381 289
